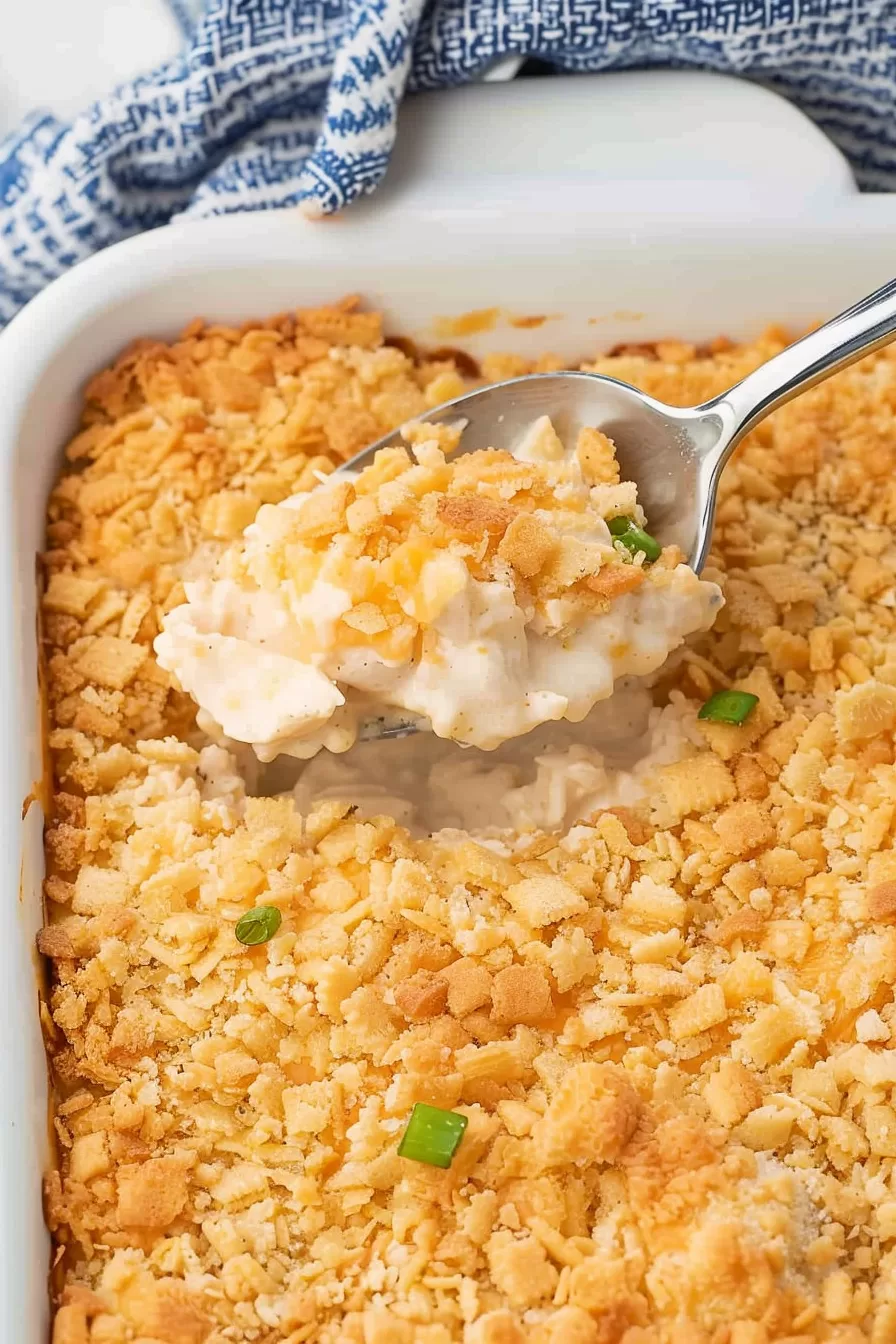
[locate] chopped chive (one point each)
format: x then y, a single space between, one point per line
258 925
634 538
432 1136
729 707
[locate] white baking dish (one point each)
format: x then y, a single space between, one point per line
622 207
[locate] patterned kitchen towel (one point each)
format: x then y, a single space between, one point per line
285 102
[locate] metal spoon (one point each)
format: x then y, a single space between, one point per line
675 455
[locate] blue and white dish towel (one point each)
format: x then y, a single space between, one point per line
285 102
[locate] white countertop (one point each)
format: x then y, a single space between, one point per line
59 55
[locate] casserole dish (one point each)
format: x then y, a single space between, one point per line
637 207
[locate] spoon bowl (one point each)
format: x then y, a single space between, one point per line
662 448
675 455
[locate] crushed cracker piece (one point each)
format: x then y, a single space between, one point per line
545 900
696 785
424 995
521 994
864 711
526 544
597 457
474 514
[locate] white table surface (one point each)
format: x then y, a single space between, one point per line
61 54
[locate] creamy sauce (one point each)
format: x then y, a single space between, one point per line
271 665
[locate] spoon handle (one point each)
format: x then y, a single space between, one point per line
858 331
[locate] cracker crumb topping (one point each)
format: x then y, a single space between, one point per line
669 1028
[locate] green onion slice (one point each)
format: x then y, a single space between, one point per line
729 707
432 1136
258 925
634 538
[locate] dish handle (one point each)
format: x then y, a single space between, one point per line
655 139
